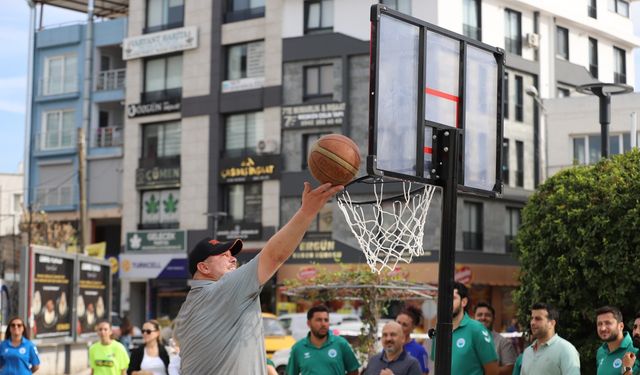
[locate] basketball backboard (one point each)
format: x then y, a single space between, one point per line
423 78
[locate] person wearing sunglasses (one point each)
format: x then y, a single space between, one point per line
107 356
18 355
151 358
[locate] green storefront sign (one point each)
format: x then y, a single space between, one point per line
154 240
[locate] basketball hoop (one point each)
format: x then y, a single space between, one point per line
390 228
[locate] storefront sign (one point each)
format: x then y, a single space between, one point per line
242 84
154 240
153 266
463 275
243 231
326 114
92 304
317 248
250 169
51 302
153 108
156 177
160 43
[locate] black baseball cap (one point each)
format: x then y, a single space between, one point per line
207 247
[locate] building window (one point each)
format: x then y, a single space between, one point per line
579 151
160 209
245 67
472 226
512 224
242 133
318 16
593 57
592 10
17 203
243 203
619 6
60 75
519 99
307 141
519 164
324 220
513 32
562 42
620 65
472 21
162 79
161 140
238 10
403 6
505 161
505 108
58 130
562 92
164 14
318 82
587 149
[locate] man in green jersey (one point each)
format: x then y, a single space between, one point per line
472 351
321 353
610 328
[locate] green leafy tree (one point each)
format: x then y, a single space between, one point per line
579 248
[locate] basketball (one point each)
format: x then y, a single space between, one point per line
334 158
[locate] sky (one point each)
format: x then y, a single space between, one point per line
14 39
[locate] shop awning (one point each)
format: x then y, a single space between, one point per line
102 8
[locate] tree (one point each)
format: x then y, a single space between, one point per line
578 248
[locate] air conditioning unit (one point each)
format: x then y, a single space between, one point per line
533 40
267 146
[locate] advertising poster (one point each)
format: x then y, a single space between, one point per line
52 296
92 303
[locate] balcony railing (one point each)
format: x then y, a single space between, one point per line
110 79
160 95
619 77
471 31
513 45
244 14
56 140
110 136
54 196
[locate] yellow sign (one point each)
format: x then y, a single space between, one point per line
114 265
97 250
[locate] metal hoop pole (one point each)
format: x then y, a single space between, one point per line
448 150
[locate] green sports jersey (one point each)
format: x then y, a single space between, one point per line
108 359
611 362
472 347
334 357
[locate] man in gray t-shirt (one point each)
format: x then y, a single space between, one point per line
219 326
507 354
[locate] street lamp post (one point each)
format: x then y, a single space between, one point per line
532 91
604 91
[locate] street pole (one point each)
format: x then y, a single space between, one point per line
605 120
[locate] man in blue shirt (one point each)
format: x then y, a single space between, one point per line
409 318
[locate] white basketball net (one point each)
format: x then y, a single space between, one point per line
391 231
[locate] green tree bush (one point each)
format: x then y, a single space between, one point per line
579 248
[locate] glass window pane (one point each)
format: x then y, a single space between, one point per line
154 75
70 74
235 57
311 80
174 72
594 148
255 129
313 16
256 3
54 76
614 144
327 13
579 155
234 132
236 206
253 203
175 12
623 8
626 142
326 79
253 64
171 139
150 141
154 13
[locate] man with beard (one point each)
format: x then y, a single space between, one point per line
616 342
549 354
485 314
321 353
393 360
472 351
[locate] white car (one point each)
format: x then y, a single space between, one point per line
280 359
297 323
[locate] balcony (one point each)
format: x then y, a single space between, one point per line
162 95
513 45
110 79
110 136
56 140
54 196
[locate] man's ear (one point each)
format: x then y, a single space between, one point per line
202 267
464 302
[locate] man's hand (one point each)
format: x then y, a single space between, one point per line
628 359
314 200
386 371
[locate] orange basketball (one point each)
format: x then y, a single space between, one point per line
334 158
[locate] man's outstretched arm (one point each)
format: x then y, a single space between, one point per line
280 247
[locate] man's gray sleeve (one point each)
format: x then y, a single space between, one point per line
507 352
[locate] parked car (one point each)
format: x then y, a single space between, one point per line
276 337
280 359
297 323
